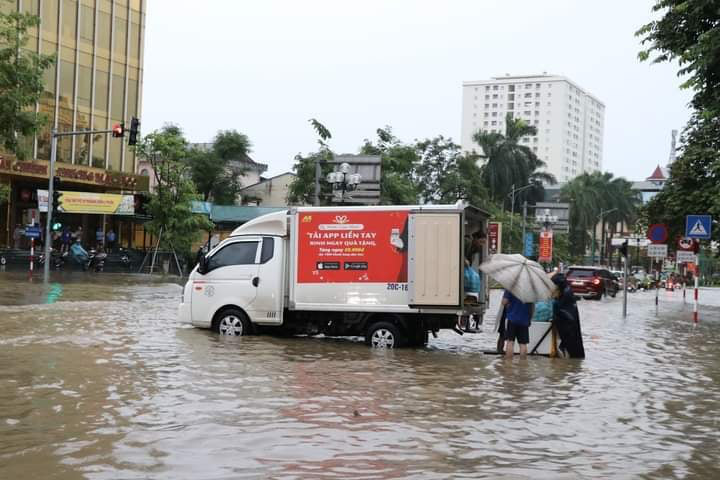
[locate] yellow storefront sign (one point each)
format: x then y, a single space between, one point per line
98 203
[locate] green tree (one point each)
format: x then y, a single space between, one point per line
508 162
689 32
302 188
216 171
21 75
445 174
398 162
170 205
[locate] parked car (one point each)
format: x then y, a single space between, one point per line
592 282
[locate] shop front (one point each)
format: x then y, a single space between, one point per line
28 182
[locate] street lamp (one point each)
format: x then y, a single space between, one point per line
512 194
600 217
343 181
546 219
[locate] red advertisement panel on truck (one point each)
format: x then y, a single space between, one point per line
353 247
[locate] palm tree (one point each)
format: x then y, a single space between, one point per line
508 162
592 194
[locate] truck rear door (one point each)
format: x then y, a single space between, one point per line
434 259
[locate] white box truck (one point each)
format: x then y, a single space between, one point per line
392 274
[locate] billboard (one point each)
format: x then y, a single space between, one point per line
353 247
545 247
88 202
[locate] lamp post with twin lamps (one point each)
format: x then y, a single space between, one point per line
514 191
343 181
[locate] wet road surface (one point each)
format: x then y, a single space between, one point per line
99 381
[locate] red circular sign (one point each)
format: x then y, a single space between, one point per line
685 243
657 233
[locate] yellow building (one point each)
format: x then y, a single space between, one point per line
95 82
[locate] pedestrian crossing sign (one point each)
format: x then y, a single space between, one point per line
698 226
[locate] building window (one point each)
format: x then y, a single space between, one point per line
511 88
487 105
495 95
495 87
494 105
509 106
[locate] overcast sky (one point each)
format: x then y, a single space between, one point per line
264 67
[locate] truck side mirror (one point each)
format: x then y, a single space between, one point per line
202 265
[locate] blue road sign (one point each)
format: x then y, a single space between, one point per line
32 232
529 249
698 226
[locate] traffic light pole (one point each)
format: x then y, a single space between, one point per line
48 218
54 135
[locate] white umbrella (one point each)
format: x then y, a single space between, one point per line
522 277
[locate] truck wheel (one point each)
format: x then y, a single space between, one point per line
231 322
383 335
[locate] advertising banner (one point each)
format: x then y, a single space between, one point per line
97 203
353 247
545 247
494 238
529 249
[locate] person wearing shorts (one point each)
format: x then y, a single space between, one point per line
518 323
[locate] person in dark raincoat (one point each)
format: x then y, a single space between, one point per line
567 319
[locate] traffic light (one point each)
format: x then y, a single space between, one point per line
624 249
134 126
57 195
118 130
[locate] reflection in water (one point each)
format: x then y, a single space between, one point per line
99 381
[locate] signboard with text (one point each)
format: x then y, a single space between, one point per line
545 247
494 238
529 249
88 202
353 246
684 256
74 173
657 250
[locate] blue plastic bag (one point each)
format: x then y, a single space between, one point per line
472 280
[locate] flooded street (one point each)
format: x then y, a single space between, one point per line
98 380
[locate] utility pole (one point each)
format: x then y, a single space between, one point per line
318 172
524 217
512 215
512 210
600 219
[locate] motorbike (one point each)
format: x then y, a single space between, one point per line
94 262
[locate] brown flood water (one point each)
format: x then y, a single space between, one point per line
99 381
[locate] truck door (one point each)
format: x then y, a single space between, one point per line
270 289
227 280
434 259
